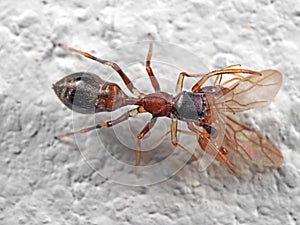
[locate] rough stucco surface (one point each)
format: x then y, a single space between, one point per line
43 181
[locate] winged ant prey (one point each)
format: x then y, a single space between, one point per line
208 110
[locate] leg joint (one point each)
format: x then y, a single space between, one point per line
175 143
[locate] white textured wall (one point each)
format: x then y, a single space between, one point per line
46 182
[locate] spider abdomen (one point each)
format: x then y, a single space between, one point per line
87 93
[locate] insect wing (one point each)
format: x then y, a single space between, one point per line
252 91
251 144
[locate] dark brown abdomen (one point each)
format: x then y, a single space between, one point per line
87 93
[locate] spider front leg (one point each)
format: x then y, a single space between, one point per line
217 73
181 78
204 78
219 77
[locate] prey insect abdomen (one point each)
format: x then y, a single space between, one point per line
87 93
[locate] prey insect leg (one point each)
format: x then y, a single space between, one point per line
124 77
120 119
140 136
210 148
175 141
153 79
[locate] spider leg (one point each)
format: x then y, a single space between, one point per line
175 141
140 136
181 78
204 78
124 77
107 124
153 79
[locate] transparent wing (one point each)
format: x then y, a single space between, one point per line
211 135
252 91
251 144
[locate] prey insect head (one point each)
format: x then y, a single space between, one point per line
211 90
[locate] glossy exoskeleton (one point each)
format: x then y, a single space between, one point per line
206 109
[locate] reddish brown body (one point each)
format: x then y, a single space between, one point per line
158 104
204 109
87 93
